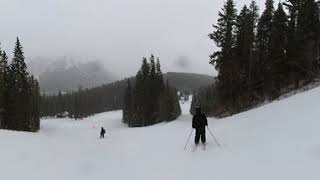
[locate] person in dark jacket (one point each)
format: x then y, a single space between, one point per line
102 132
199 123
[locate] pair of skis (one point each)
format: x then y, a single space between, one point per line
204 145
195 147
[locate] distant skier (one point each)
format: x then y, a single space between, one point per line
199 123
102 132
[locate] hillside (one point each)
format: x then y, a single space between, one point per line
188 82
276 141
69 73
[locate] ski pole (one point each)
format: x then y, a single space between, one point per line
214 138
188 139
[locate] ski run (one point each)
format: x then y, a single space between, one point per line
277 141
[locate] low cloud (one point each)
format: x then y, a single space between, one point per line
182 62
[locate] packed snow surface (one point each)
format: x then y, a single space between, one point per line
278 141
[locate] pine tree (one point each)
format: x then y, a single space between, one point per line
21 95
292 53
60 105
253 59
16 102
264 43
223 60
3 71
142 93
224 37
18 71
264 31
245 36
308 37
33 108
278 47
303 39
159 75
127 105
154 90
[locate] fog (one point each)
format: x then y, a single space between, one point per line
117 32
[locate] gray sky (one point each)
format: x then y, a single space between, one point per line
119 32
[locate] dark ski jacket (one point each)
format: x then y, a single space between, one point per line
199 121
102 132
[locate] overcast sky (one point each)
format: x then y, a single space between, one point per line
119 32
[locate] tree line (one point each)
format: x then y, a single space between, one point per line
149 100
84 102
260 58
19 93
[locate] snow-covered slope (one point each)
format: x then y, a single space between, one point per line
278 141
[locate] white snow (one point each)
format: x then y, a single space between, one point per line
278 141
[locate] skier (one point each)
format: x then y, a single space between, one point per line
102 132
199 123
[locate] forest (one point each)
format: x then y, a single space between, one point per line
83 102
261 57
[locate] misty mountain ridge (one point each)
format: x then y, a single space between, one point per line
69 73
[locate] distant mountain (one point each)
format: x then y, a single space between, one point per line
70 73
188 82
66 74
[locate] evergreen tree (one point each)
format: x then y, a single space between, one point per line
308 38
245 36
223 60
18 70
303 39
60 105
33 105
21 95
292 53
127 108
3 73
159 75
141 93
154 89
17 92
264 44
253 59
223 36
278 54
264 31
